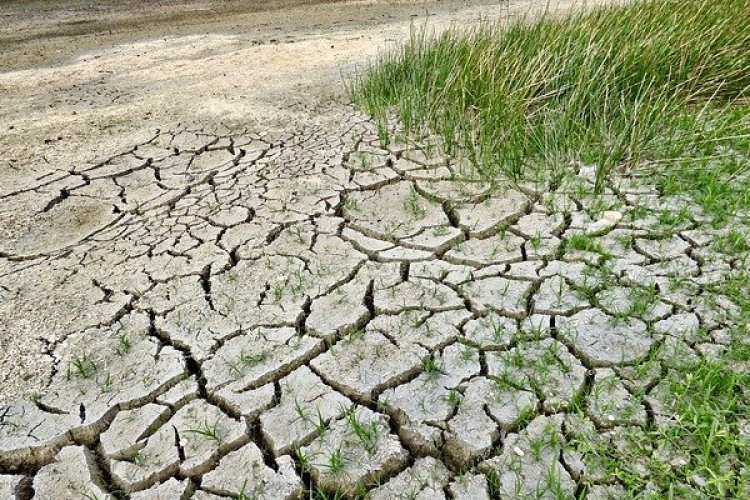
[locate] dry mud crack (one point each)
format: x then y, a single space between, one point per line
258 315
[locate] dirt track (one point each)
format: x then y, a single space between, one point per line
42 32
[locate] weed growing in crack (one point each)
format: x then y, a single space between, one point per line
643 299
536 241
301 412
453 398
432 368
413 204
553 484
303 459
321 425
278 292
536 332
734 243
560 291
368 433
256 492
364 162
251 359
583 243
318 422
548 439
498 332
505 382
244 494
494 483
357 335
335 462
235 369
383 404
124 344
82 366
625 241
315 493
211 432
467 353
426 328
107 384
674 218
298 281
137 458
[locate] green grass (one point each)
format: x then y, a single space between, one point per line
368 433
209 431
652 83
710 401
81 366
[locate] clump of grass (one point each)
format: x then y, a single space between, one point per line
651 81
335 461
209 431
81 366
367 433
711 402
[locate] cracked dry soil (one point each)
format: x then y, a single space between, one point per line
230 310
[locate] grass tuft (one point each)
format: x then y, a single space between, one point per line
661 83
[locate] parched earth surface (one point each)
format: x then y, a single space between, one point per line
231 311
